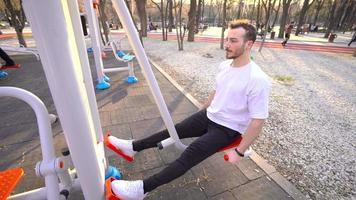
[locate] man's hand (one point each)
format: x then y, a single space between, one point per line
208 101
252 132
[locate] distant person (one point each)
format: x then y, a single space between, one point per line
151 26
288 30
6 58
353 39
8 63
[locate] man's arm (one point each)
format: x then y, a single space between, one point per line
252 132
208 101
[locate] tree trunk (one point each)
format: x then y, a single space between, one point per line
258 15
277 13
253 10
318 8
163 23
304 10
141 8
340 13
239 11
351 18
331 19
286 4
178 24
191 20
268 6
170 15
354 53
223 25
197 19
17 20
348 12
103 19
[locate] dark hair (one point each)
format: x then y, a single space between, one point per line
251 32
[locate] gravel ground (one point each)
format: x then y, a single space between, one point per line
310 135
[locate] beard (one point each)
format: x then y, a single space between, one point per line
230 54
234 54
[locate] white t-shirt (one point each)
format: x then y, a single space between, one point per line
241 93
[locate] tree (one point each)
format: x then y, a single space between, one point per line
268 6
305 7
170 15
163 18
286 4
258 15
103 19
331 19
318 7
223 25
350 17
191 20
198 17
277 13
340 12
348 11
253 10
179 23
141 8
16 16
239 10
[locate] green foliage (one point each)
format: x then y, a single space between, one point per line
286 80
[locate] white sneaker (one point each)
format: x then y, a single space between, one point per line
122 147
128 190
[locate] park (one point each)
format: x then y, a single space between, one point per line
130 69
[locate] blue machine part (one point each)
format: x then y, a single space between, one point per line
103 85
125 57
3 74
90 50
113 172
131 79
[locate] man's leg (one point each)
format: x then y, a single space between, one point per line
193 126
6 58
215 139
353 40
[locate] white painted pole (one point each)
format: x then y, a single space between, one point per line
53 32
134 40
79 39
95 39
45 132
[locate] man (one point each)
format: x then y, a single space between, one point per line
353 38
6 58
238 106
8 63
288 31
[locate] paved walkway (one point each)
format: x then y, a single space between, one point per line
129 111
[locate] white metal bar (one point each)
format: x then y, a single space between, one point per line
44 127
21 50
53 32
79 39
117 69
40 193
95 39
134 40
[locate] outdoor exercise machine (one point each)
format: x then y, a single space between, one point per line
98 49
21 49
63 55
